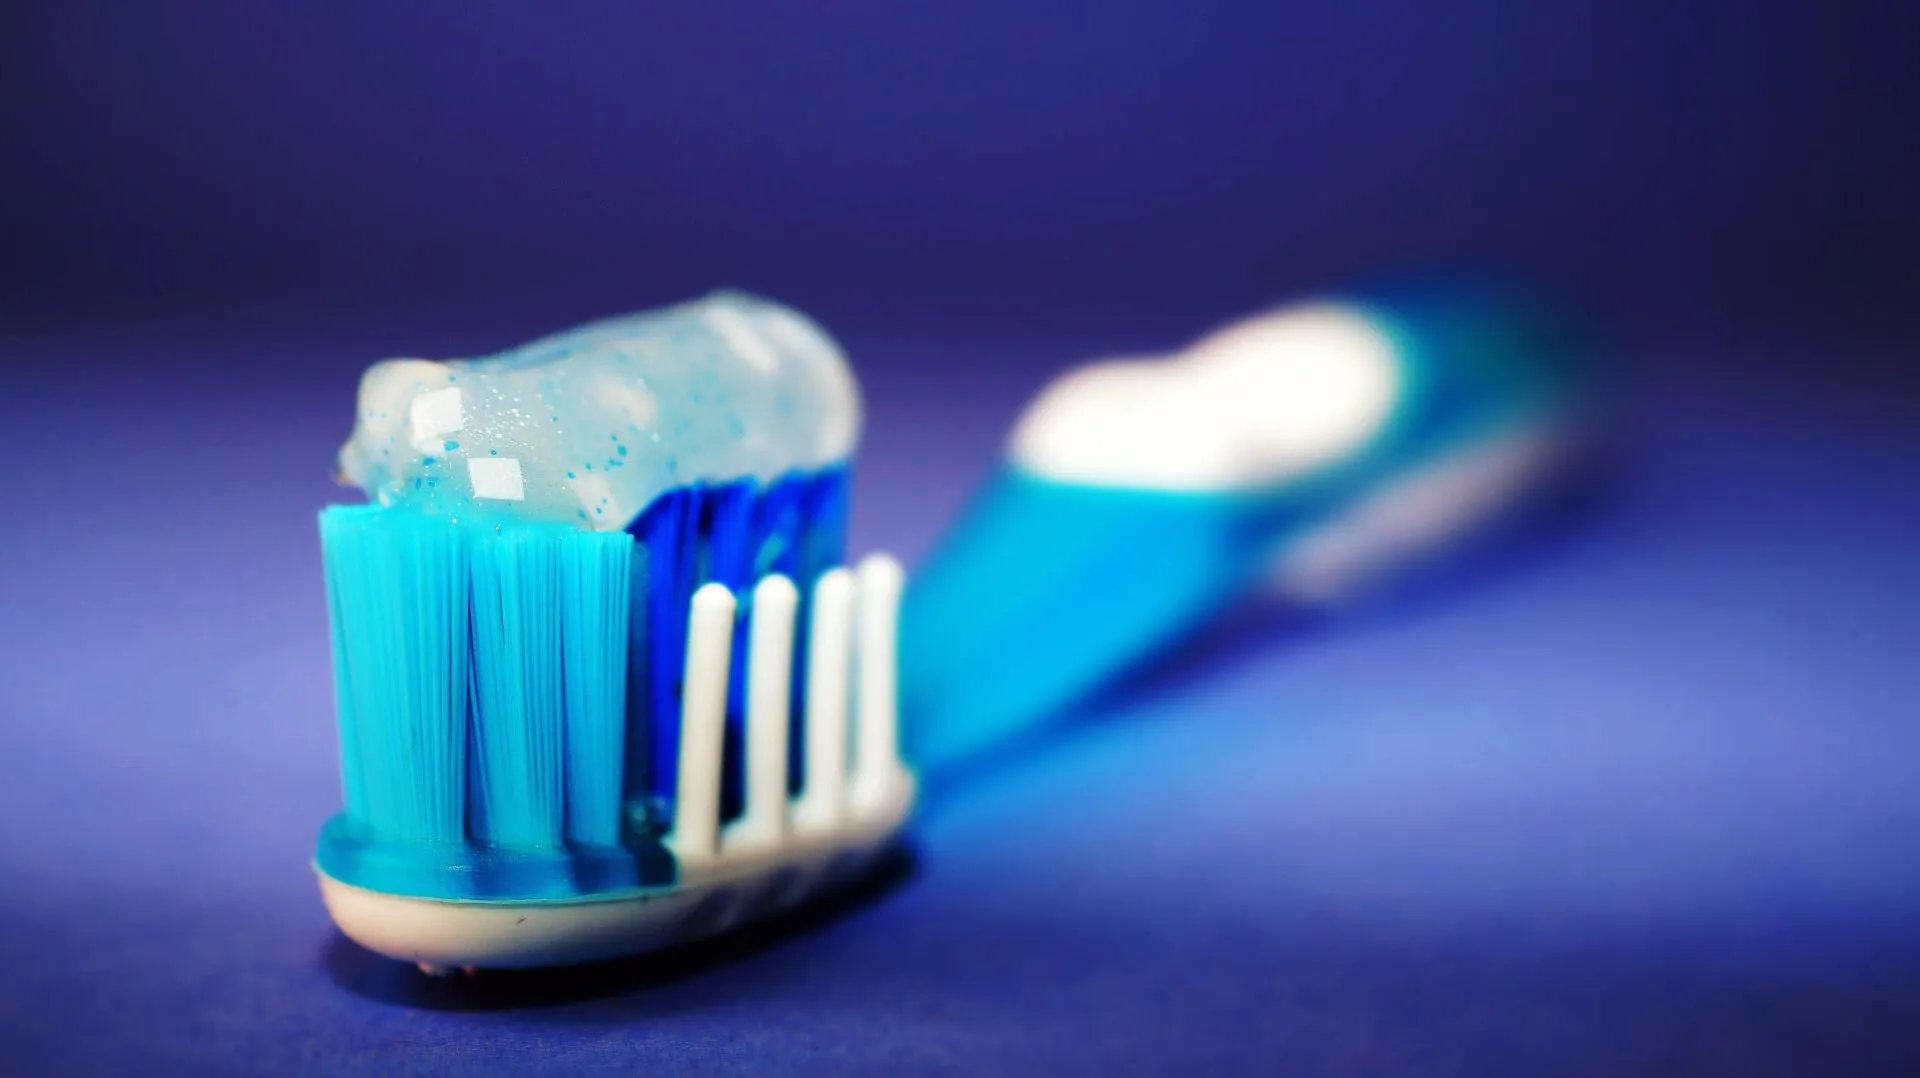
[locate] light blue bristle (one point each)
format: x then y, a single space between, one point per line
518 731
481 676
352 781
397 585
596 573
509 693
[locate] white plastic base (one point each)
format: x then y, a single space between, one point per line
749 878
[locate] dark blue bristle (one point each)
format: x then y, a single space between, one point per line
728 545
734 533
669 530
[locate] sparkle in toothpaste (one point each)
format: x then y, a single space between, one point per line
429 415
754 389
497 479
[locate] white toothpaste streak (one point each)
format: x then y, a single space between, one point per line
1255 403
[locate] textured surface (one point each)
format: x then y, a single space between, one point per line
1642 799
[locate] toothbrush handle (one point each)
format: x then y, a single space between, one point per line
1048 588
1045 591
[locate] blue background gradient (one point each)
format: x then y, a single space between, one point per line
1639 796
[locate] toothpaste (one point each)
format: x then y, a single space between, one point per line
589 426
1252 405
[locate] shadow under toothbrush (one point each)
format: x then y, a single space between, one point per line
1531 536
384 980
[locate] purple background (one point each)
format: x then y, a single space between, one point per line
1642 799
964 160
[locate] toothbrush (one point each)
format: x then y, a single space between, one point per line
1312 452
602 685
599 697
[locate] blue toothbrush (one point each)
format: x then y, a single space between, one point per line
1307 451
603 684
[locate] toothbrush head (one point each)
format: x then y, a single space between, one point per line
568 736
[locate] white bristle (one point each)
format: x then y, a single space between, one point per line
876 759
703 717
769 695
829 656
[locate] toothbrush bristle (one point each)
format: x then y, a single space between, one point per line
398 589
596 580
733 534
703 714
517 731
829 661
769 684
481 677
515 701
782 850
